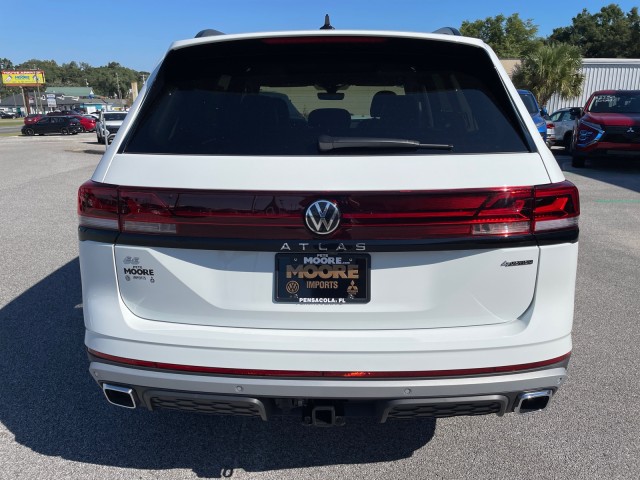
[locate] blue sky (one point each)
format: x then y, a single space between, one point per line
137 33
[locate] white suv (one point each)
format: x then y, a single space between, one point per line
108 125
329 223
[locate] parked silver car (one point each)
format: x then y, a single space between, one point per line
563 123
108 125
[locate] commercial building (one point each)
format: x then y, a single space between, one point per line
599 74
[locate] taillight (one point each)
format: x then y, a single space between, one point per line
147 212
557 207
98 206
495 212
504 213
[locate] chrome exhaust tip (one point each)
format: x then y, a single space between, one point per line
533 401
119 396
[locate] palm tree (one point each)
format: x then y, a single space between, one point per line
551 69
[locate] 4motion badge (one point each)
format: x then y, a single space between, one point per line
517 263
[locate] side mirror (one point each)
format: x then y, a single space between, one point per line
575 112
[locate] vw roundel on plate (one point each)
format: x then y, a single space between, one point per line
329 224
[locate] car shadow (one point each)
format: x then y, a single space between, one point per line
622 172
51 405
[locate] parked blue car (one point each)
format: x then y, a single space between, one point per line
536 112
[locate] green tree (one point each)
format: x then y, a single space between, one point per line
509 37
103 80
53 73
550 69
610 33
6 64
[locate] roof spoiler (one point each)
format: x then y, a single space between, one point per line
449 31
208 32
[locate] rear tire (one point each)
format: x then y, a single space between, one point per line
29 132
568 138
577 161
64 131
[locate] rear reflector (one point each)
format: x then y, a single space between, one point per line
493 212
313 374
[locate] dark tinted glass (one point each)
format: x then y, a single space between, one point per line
115 116
278 97
529 102
622 102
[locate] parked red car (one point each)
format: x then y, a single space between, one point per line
608 125
87 121
33 118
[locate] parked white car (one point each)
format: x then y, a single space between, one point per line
108 125
326 224
563 123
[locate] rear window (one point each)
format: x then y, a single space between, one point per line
529 102
114 116
285 96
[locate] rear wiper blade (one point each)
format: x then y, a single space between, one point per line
327 143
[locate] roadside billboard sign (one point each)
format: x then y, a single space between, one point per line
23 78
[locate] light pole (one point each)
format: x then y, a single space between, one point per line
118 83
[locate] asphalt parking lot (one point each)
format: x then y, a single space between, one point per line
54 422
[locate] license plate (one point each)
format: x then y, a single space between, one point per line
320 278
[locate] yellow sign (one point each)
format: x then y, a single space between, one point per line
23 78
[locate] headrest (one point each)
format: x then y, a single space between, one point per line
331 118
377 102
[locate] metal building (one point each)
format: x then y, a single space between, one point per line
601 74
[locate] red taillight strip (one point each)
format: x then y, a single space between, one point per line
304 373
462 213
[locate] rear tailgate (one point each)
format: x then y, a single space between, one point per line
215 264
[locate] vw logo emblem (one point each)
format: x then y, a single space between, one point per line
322 217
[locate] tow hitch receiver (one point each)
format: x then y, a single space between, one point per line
323 415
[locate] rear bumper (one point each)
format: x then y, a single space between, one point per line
609 148
381 399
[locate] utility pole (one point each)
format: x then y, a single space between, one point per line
36 97
118 83
25 99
